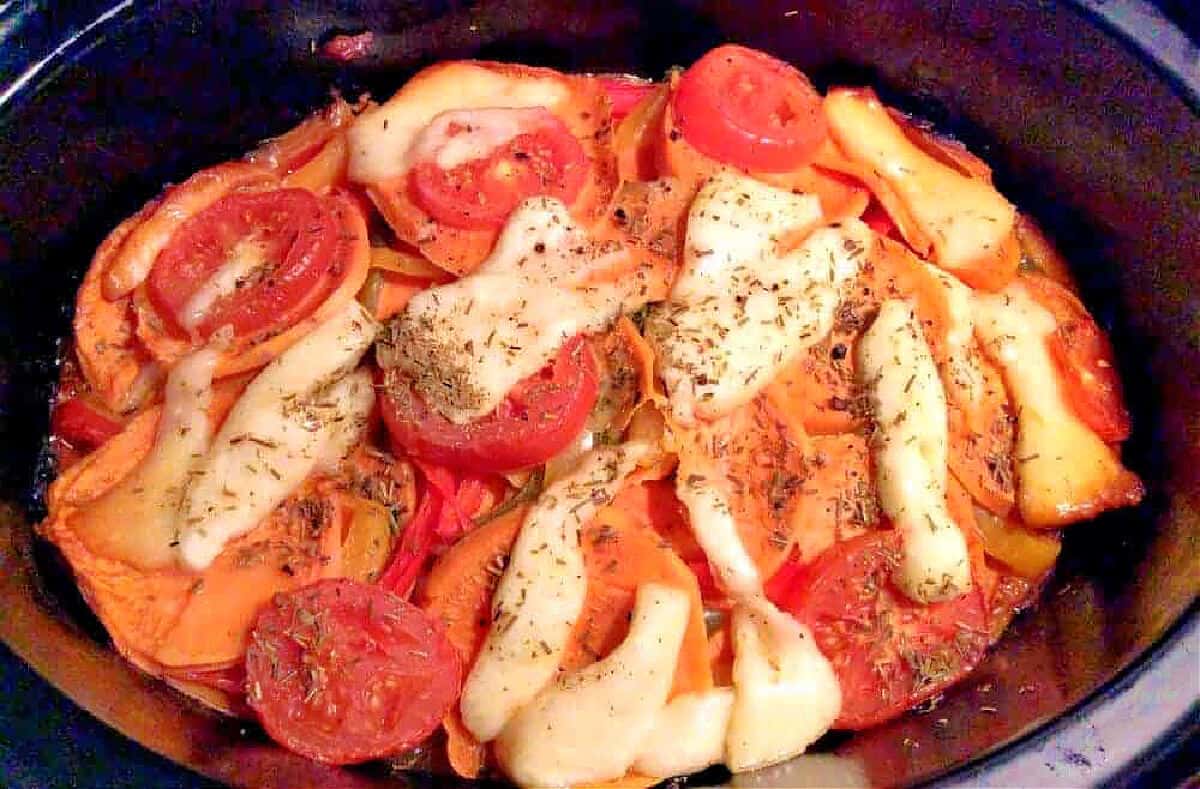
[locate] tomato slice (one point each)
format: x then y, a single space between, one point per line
81 424
625 92
342 672
252 261
1085 361
539 418
528 152
889 652
745 108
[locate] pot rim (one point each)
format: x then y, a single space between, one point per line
1114 719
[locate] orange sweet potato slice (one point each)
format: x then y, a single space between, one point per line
458 591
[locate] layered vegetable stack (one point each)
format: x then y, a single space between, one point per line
598 428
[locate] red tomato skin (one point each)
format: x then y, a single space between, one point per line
342 672
81 424
625 92
546 160
416 544
1085 361
537 420
877 640
298 234
750 110
876 218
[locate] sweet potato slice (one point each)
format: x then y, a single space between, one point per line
458 591
110 357
289 154
839 499
172 617
649 217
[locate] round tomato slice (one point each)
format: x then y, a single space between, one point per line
1085 361
745 108
889 652
539 418
342 672
252 260
473 167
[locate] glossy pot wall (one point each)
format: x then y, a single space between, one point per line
1101 143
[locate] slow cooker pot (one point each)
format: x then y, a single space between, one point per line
1094 133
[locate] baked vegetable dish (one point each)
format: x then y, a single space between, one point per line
578 428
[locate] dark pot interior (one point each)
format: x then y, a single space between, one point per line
1090 138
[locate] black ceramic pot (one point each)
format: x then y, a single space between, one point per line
1088 113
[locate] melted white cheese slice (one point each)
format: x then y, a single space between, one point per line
541 593
962 363
147 501
382 138
592 723
277 432
460 136
466 344
1061 464
741 308
714 527
909 404
786 693
688 735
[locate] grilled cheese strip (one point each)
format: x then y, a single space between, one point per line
688 735
277 433
541 593
744 304
591 724
147 501
383 140
966 222
909 404
786 693
465 344
1065 472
